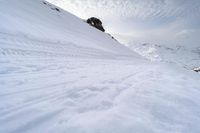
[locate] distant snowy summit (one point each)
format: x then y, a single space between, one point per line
186 57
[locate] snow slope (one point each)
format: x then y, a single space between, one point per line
59 75
32 19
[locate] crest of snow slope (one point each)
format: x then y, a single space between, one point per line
58 75
28 19
183 56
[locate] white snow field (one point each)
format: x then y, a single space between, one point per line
60 75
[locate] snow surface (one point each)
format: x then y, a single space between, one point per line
59 75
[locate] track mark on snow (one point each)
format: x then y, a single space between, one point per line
39 120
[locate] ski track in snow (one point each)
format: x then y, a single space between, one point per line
46 89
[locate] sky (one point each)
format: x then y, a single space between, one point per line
163 22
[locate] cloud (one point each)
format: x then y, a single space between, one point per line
184 33
131 8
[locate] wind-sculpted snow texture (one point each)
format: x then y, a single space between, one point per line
64 84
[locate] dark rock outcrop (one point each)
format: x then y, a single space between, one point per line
112 37
95 22
197 69
51 6
56 9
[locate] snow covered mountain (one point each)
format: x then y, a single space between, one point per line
58 75
186 57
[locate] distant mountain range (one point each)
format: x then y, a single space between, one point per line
186 57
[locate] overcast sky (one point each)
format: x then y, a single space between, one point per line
170 22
